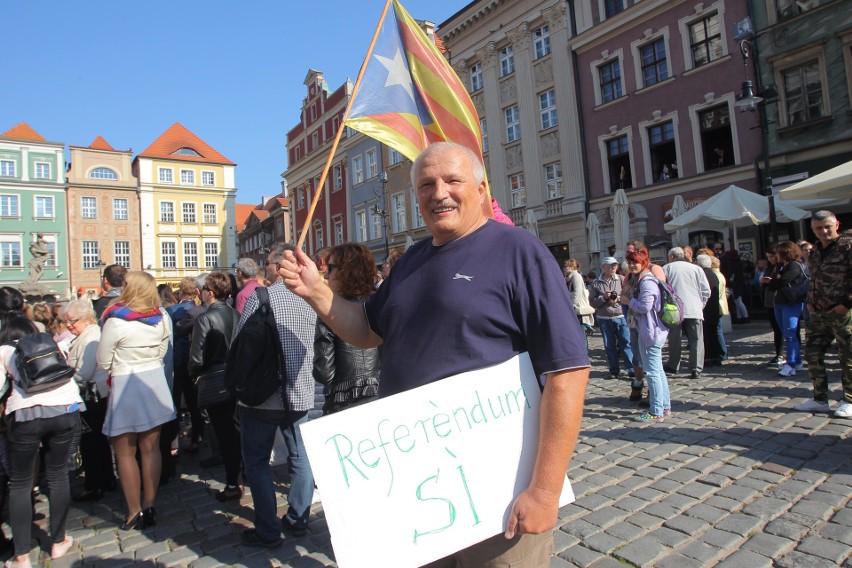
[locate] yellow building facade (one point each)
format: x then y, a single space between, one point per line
186 200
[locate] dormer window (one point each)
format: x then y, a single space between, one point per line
186 152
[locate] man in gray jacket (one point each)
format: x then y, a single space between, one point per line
603 296
690 283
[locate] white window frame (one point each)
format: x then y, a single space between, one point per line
10 206
553 183
717 9
338 231
507 60
88 207
319 235
208 178
595 68
547 109
541 41
171 255
300 198
337 174
188 213
121 253
41 170
187 177
372 163
377 225
604 156
90 254
475 77
314 138
795 61
8 168
164 214
512 117
636 48
517 191
102 172
694 110
15 247
394 156
361 226
51 248
209 217
47 200
117 208
211 254
190 254
416 218
357 169
165 175
650 175
400 223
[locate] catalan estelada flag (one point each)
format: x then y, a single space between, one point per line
410 97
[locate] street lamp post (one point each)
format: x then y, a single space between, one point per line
382 211
751 99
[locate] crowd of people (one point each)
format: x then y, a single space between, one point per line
794 281
479 291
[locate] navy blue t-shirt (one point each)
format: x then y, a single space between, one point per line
472 303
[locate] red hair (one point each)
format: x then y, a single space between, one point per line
639 257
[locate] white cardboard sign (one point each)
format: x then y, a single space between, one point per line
416 476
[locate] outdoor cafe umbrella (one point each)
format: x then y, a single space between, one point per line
621 222
835 183
593 225
681 237
737 207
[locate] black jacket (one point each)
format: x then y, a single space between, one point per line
211 337
349 373
785 276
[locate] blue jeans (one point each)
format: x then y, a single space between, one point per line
616 336
257 433
721 334
788 320
658 383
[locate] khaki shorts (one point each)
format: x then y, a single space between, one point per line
523 551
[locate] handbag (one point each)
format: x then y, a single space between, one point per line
211 388
584 310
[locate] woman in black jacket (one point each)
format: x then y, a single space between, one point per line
211 338
789 284
351 375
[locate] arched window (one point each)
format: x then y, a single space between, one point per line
186 152
103 173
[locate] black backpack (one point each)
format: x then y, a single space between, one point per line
254 365
40 364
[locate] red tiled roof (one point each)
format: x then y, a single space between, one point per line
100 144
261 214
178 136
23 131
242 212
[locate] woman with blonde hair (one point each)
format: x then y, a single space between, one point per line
134 343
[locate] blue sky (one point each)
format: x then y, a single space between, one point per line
231 72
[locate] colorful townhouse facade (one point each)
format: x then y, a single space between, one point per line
186 199
103 213
33 219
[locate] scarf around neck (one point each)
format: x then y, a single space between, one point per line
120 311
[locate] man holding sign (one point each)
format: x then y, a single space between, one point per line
476 294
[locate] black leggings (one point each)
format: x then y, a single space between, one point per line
55 434
225 424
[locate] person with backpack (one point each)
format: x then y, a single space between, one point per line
264 411
47 418
645 302
790 286
690 283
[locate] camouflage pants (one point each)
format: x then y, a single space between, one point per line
824 328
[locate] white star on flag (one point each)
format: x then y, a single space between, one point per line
397 72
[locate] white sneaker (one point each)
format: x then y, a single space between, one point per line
844 410
812 405
787 371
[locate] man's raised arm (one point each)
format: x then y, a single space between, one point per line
536 508
347 319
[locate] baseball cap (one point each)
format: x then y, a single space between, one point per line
609 260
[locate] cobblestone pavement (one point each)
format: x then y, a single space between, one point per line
733 478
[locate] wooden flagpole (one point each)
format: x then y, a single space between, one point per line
339 134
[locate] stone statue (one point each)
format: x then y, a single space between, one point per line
41 254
